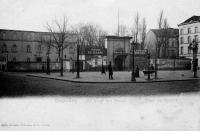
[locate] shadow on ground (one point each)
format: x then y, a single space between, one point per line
19 85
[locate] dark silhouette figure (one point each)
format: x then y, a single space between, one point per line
103 71
110 71
43 68
137 72
151 67
3 67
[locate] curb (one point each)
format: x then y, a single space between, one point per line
150 81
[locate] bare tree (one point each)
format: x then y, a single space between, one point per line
136 26
90 34
59 33
122 31
143 32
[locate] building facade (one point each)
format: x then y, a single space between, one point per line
169 49
189 30
27 47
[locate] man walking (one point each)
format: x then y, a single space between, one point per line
110 71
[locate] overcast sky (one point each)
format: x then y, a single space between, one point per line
33 14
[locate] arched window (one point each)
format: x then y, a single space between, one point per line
196 29
181 50
182 40
4 59
4 48
28 60
39 48
189 30
189 39
196 38
28 48
14 59
14 48
181 32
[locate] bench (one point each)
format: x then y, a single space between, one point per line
148 71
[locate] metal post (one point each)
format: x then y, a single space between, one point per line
148 57
48 65
194 47
77 67
133 64
61 72
195 60
156 66
7 61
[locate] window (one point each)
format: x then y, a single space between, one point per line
38 59
39 48
14 59
71 50
196 29
182 40
189 30
4 48
28 60
28 49
196 38
181 50
189 39
14 48
189 50
4 59
181 32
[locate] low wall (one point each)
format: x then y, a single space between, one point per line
32 66
173 64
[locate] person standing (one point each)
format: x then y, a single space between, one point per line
110 70
137 71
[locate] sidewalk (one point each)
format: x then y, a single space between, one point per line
119 77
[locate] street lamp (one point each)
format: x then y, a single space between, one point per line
148 57
7 60
194 47
133 64
77 67
48 64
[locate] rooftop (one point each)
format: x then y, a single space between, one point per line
193 19
172 32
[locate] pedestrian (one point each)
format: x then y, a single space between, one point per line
103 71
3 67
110 71
151 69
42 68
137 71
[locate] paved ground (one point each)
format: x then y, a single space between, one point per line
40 104
120 76
15 84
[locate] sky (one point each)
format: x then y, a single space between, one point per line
34 14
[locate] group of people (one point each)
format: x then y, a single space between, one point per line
110 71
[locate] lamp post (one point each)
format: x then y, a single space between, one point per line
148 57
194 47
156 59
7 60
48 64
77 66
133 64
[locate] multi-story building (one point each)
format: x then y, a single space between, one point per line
169 49
189 30
26 47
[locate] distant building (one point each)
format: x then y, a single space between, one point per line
119 52
25 47
189 30
168 50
